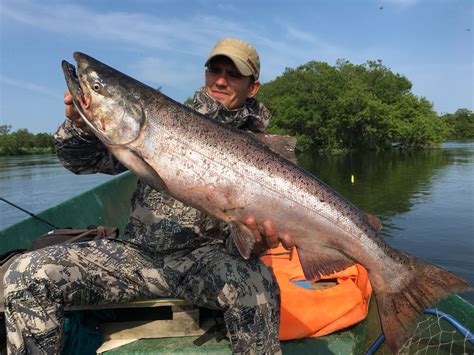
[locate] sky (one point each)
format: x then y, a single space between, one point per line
164 43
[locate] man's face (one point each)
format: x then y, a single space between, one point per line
225 84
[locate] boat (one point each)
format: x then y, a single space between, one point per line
109 204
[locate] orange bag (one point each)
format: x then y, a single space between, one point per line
309 312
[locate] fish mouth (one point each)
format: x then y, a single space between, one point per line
73 84
80 100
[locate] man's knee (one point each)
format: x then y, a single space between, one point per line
266 287
255 286
28 270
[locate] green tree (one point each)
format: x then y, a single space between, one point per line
5 129
347 106
22 142
415 124
44 140
460 124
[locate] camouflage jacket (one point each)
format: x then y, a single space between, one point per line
158 223
253 116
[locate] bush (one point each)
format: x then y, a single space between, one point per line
347 107
23 142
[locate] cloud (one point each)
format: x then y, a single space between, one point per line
315 42
115 26
168 38
29 86
192 34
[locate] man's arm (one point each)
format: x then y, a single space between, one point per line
83 153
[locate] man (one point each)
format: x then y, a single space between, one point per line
169 249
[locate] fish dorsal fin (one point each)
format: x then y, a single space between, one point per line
282 145
243 238
322 262
374 221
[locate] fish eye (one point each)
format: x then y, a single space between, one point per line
96 86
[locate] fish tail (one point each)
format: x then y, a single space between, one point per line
402 305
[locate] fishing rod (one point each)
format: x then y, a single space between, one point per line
27 212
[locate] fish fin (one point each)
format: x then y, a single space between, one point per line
399 310
138 166
282 145
374 221
323 262
243 238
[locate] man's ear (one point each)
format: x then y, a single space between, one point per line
253 89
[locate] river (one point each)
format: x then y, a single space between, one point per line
424 199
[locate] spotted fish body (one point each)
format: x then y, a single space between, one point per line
230 175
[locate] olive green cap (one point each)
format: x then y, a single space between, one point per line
242 54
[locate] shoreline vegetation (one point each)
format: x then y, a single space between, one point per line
350 107
22 142
333 109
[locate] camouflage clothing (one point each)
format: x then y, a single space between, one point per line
169 249
253 116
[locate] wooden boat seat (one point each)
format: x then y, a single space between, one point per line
154 318
156 302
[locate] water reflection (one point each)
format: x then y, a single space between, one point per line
385 183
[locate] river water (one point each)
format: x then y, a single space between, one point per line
424 199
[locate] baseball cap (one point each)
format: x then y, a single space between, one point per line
244 55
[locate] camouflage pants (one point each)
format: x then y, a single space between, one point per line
39 284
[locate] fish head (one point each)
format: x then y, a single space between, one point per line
111 103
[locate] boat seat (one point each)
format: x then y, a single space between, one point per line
155 318
155 302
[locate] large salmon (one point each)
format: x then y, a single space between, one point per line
230 175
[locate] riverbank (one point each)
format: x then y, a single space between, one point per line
22 142
27 151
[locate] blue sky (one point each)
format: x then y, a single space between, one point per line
164 43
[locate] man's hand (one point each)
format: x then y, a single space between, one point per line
268 238
72 113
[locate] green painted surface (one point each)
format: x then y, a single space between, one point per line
342 343
172 346
107 204
460 309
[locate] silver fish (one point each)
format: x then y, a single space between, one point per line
230 175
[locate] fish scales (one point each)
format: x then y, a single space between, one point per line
282 177
275 177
